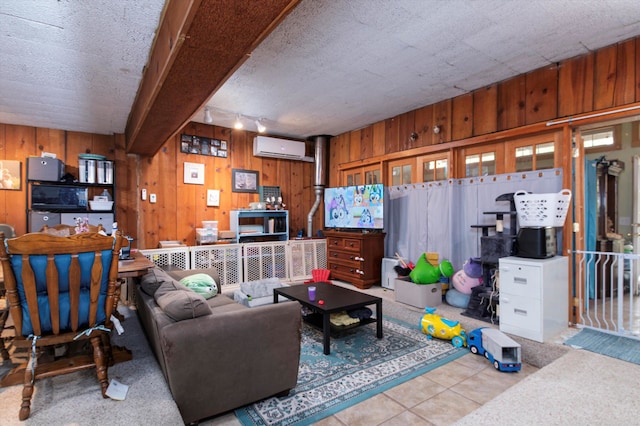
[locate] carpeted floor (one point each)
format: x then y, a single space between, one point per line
359 366
75 399
624 348
581 388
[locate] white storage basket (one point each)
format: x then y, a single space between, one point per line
542 210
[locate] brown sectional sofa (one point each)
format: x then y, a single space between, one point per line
216 354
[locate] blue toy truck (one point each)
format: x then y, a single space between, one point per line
501 350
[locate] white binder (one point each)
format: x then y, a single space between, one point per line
105 172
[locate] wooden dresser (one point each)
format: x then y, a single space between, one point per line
355 257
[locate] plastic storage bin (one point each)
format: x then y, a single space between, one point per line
418 295
206 235
210 224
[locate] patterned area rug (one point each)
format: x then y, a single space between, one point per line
359 366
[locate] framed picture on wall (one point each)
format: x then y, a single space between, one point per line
244 180
10 175
194 173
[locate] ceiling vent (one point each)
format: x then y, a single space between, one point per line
265 146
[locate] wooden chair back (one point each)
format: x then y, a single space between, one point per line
60 290
57 284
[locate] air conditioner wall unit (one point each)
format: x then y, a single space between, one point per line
266 146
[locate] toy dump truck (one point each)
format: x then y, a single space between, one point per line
501 350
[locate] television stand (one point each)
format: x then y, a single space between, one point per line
355 257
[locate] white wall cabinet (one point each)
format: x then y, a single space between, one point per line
534 297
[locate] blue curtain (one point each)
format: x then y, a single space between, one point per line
590 208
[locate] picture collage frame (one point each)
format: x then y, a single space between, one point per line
211 147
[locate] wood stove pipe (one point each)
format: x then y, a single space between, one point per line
320 156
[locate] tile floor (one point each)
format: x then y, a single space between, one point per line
439 397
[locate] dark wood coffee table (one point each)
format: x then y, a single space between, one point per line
336 299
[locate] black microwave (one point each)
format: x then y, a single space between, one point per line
58 197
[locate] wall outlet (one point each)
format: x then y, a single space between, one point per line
152 198
143 195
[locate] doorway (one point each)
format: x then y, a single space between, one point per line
606 278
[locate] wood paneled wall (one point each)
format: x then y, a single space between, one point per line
180 207
608 77
20 142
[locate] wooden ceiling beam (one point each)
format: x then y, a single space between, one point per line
199 45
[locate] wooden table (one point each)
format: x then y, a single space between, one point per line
137 267
334 299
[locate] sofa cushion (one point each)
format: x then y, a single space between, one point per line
202 284
183 304
167 287
152 280
260 288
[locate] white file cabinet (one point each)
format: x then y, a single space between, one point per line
534 296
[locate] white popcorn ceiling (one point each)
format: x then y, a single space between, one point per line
73 64
330 67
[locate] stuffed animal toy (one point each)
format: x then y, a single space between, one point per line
457 299
473 267
464 283
446 268
424 272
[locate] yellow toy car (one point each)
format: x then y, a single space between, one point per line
435 326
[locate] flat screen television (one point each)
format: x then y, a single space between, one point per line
354 207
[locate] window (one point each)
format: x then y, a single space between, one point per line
598 138
534 157
483 164
434 167
401 172
481 160
530 153
354 178
372 175
603 139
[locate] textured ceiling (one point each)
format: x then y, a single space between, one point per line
334 66
330 67
73 65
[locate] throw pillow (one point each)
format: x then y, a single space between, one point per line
202 284
168 287
152 280
183 304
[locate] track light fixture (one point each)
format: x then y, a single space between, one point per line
207 115
238 124
260 126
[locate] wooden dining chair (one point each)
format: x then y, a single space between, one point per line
61 290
